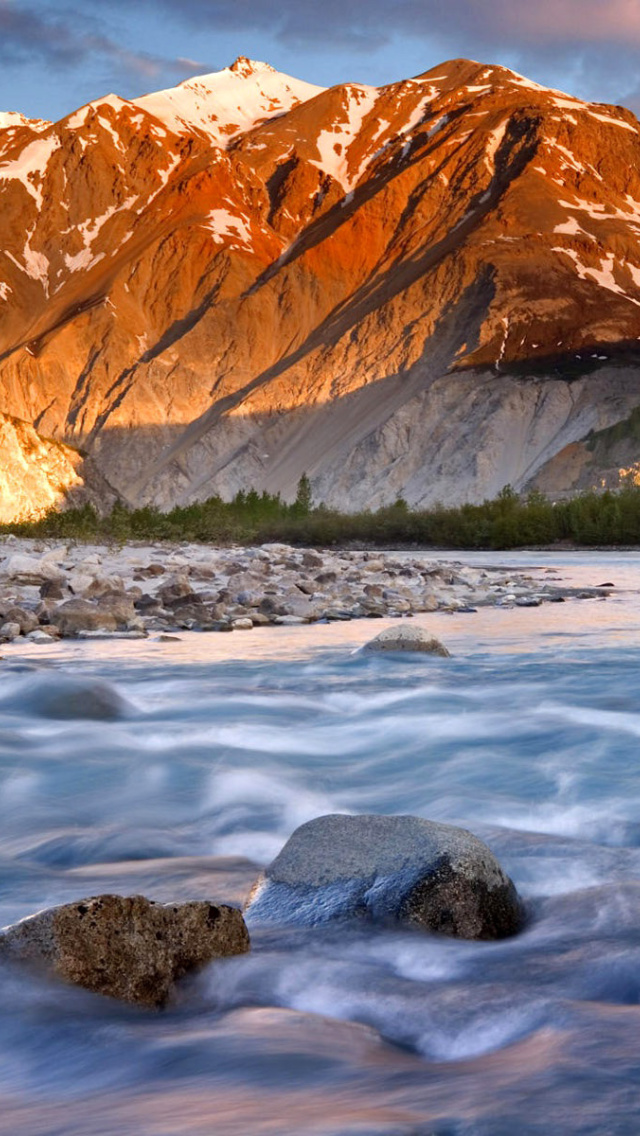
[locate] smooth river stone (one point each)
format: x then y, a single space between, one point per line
126 947
388 869
66 697
406 637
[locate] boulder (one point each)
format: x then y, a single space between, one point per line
40 635
26 620
9 632
55 589
126 947
176 590
405 637
53 694
388 869
28 570
82 615
119 605
102 585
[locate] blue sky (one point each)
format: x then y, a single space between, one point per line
57 54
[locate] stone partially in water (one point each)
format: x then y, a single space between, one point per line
126 947
67 697
406 638
388 868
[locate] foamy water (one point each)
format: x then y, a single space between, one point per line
200 759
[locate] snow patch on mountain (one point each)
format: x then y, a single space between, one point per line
31 166
572 229
613 121
222 223
334 144
36 264
83 259
495 140
12 119
603 276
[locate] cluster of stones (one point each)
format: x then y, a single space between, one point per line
52 592
387 870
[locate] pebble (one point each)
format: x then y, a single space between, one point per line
128 592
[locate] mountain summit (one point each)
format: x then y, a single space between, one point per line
229 102
430 288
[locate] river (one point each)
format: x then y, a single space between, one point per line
529 736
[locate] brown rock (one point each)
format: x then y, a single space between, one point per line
175 592
54 590
26 620
126 947
103 586
82 615
118 604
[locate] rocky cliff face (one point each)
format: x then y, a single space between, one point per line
38 474
431 288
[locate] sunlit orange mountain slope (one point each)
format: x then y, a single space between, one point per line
430 288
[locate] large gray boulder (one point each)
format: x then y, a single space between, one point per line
388 869
127 947
406 637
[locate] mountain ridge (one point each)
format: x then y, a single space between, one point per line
204 304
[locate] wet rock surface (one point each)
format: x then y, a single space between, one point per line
388 869
66 697
406 638
89 591
126 947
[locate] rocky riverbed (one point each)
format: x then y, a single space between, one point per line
51 590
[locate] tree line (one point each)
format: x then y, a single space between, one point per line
508 521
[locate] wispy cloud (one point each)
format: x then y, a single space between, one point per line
588 44
361 23
68 38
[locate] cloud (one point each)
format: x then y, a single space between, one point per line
586 46
590 42
66 39
515 23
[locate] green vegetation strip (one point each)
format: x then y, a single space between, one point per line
509 521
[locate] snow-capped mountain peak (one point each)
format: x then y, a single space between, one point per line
226 103
245 67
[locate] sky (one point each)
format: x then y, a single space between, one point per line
56 55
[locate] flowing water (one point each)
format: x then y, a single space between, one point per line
201 758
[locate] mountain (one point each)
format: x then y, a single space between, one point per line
430 288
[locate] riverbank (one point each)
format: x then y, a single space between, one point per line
51 590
